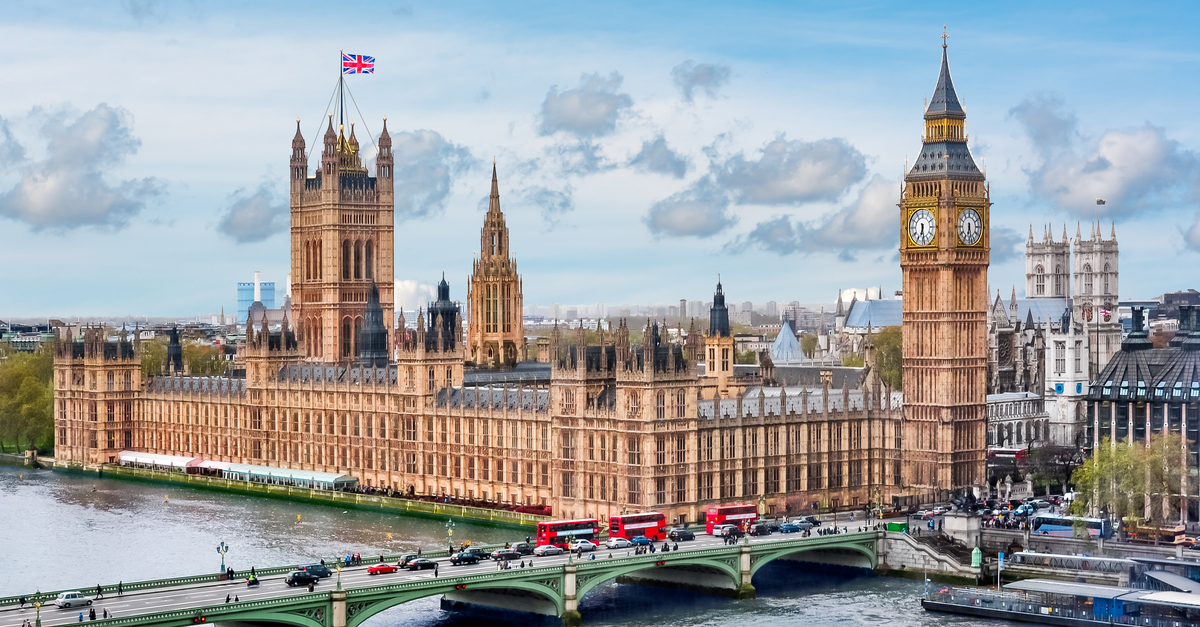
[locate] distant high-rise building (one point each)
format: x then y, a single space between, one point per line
683 307
246 296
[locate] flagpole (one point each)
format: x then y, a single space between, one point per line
341 92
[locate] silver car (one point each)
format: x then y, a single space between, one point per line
547 549
618 543
72 599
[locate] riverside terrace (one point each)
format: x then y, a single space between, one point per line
553 587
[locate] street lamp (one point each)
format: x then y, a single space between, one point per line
222 548
450 535
38 605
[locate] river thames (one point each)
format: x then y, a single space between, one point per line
70 530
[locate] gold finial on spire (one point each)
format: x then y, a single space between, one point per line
944 35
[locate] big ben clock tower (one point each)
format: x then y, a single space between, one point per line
944 257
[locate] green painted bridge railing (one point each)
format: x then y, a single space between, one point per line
191 580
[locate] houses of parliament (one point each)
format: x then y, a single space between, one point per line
622 419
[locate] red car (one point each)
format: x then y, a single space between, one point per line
380 569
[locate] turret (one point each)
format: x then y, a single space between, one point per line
384 160
329 158
299 161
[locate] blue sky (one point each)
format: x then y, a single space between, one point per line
643 148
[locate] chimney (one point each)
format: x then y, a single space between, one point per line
257 288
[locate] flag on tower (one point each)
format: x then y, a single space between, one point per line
357 64
1100 201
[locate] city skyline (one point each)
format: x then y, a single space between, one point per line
694 159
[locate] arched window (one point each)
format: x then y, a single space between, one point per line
318 272
1087 278
346 337
1106 278
346 260
1058 288
358 325
431 379
680 404
449 376
660 405
495 244
1041 280
358 260
369 261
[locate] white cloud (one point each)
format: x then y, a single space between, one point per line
706 77
590 110
868 223
657 157
702 210
553 203
412 294
1006 244
793 172
254 217
1134 170
68 189
426 166
1192 236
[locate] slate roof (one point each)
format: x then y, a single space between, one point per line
875 313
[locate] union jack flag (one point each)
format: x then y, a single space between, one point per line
357 64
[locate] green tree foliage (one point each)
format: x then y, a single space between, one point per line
746 357
199 359
1051 465
203 360
852 360
887 354
808 345
1135 481
27 400
154 356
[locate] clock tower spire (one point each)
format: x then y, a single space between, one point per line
944 259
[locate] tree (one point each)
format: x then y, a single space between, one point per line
888 358
1051 465
746 357
154 356
27 399
808 345
203 360
1135 480
852 360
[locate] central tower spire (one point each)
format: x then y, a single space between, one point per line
495 329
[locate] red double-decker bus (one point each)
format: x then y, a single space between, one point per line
561 533
740 515
653 525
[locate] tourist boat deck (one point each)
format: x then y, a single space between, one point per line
1051 602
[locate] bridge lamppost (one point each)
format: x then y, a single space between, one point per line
339 571
38 607
450 535
222 549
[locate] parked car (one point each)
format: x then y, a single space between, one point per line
72 599
319 570
524 548
301 578
939 510
641 541
459 559
618 543
421 563
680 535
381 569
789 528
583 545
547 549
507 554
479 552
760 530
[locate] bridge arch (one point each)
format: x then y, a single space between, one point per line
858 553
363 606
587 578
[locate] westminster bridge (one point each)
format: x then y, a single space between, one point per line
553 587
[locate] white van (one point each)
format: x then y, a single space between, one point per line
72 599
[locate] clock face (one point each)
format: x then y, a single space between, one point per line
921 227
969 227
